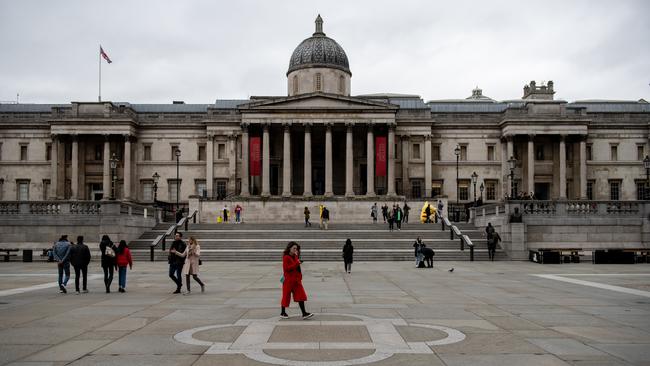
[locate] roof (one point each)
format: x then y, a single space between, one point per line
169 108
612 106
230 103
29 108
319 51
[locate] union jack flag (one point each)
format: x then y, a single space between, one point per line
104 55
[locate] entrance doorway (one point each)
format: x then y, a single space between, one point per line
363 179
275 180
96 191
542 191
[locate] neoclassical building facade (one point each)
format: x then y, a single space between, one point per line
321 141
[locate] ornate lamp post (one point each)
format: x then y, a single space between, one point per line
646 165
457 153
474 179
155 177
178 185
113 161
512 163
482 187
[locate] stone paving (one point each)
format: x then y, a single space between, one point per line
501 313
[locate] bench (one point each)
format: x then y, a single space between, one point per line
554 255
8 253
621 256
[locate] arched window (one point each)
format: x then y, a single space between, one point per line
341 84
295 84
319 84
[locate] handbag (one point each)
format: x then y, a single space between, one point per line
200 262
109 252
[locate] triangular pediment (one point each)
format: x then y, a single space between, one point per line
317 101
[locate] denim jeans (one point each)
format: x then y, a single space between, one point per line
65 268
121 274
175 274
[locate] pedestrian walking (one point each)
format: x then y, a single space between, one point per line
176 262
398 217
61 253
192 255
373 213
107 248
307 214
390 219
406 213
292 281
80 258
384 212
489 230
492 245
325 218
348 253
123 259
238 210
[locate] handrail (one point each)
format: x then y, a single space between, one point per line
172 229
469 243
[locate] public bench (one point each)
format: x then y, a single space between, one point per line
555 255
621 256
8 253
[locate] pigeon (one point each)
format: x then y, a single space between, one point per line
451 270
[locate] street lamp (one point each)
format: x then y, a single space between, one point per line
474 178
178 185
155 177
512 162
113 161
482 187
457 153
646 165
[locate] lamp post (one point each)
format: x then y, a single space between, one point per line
482 187
178 185
512 162
457 153
646 165
113 161
155 177
474 178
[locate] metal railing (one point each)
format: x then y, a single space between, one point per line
162 238
454 230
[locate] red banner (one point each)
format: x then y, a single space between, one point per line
380 156
255 157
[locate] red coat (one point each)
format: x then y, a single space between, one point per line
292 281
124 259
291 268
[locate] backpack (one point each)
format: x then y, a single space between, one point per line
109 252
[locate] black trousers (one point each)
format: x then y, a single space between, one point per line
108 277
348 266
429 261
399 224
196 278
84 273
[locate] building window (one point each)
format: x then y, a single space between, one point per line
48 152
68 152
436 188
174 187
201 187
640 190
147 190
147 153
569 153
46 189
491 190
435 152
490 153
173 151
221 151
589 156
539 152
463 152
2 185
99 152
613 152
463 189
295 84
416 188
640 152
590 190
341 84
22 193
318 82
23 152
220 188
201 156
415 153
614 190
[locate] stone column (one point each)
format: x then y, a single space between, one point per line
370 161
391 161
583 168
54 166
531 163
266 161
328 160
286 161
74 164
106 184
209 165
127 167
427 166
349 160
307 173
245 190
405 164
562 177
232 163
510 152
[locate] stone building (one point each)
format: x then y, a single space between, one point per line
320 141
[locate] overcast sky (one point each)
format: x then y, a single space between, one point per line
199 51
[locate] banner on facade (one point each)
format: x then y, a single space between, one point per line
255 157
380 156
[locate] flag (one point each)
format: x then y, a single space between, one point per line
255 156
380 156
104 55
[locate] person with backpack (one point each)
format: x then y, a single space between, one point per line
107 248
348 252
80 258
292 281
123 258
61 253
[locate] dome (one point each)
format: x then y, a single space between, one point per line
319 51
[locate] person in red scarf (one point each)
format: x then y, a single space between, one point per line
292 281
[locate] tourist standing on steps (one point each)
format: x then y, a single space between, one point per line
399 215
390 219
307 214
175 262
292 281
192 255
123 259
325 218
427 214
417 246
406 213
373 213
238 210
80 258
61 253
384 211
225 213
348 252
107 248
440 207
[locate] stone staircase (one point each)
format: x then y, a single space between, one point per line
265 242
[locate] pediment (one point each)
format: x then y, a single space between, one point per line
317 101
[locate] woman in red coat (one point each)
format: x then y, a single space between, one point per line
292 283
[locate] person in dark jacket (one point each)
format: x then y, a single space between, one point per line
307 214
492 245
80 258
325 217
175 262
384 212
428 255
417 248
348 251
107 248
406 213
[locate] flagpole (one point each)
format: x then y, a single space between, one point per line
100 74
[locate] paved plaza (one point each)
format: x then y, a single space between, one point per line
384 313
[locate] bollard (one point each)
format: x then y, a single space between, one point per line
186 220
471 253
194 219
462 244
163 243
451 233
151 254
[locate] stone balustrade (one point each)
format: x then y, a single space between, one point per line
75 208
